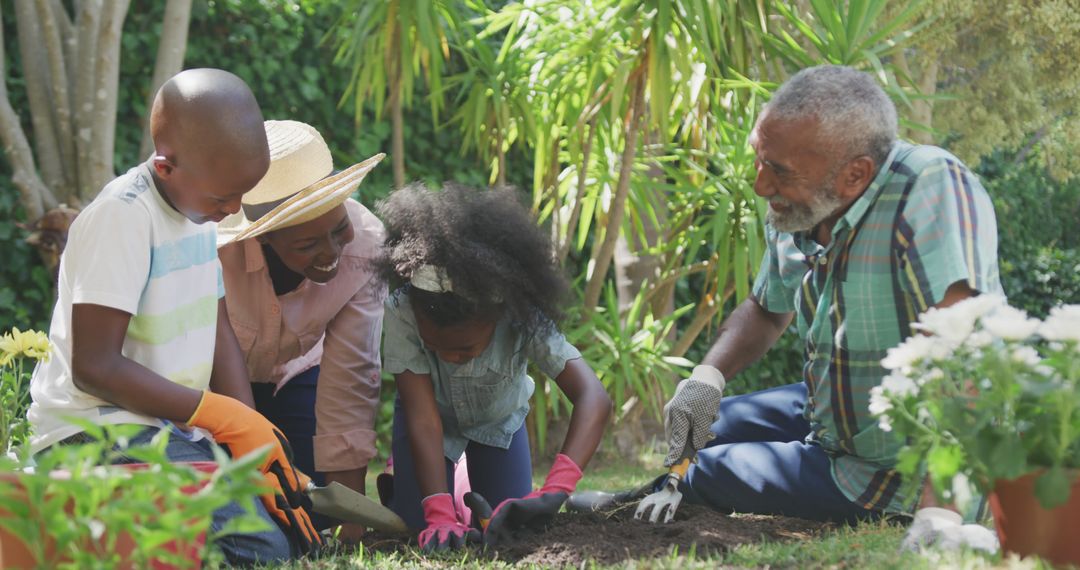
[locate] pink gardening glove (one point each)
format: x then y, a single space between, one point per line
443 531
536 509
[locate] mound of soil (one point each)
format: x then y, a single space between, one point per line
616 536
612 537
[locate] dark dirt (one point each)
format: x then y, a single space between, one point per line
612 537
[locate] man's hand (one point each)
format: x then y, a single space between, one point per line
242 430
536 509
691 412
944 529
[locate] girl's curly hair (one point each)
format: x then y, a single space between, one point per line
499 261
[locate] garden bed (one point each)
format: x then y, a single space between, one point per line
613 537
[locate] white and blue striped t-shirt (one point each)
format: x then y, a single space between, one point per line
131 251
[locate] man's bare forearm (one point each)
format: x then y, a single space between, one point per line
746 335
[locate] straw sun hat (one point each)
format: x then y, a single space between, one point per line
299 186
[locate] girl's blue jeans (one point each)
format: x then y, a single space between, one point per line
497 474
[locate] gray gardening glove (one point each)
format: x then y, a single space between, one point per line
691 412
945 530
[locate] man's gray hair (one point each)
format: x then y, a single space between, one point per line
853 110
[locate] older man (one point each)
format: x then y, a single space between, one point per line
864 233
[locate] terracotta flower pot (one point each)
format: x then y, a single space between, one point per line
14 553
1026 528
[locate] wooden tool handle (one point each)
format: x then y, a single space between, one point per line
680 468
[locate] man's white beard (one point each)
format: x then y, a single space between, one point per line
803 217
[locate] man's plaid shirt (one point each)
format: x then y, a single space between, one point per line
924 223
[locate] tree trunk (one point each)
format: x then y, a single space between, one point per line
500 176
397 147
35 196
170 59
583 175
602 260
32 190
53 170
70 71
922 112
56 65
634 269
705 312
101 168
89 28
397 144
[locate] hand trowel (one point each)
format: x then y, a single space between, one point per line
342 503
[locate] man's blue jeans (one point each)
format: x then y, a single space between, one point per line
761 463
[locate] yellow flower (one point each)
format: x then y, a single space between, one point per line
33 344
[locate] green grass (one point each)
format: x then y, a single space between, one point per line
869 545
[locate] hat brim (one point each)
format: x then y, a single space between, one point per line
304 206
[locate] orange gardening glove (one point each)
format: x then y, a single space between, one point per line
242 430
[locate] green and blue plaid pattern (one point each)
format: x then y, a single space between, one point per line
924 223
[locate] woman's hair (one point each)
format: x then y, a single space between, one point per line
489 248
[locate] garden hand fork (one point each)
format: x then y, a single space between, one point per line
667 499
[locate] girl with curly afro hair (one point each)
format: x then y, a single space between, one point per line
480 297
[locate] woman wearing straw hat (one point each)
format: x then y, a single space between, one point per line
306 311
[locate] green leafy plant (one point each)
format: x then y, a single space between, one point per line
15 347
988 394
25 285
629 351
76 509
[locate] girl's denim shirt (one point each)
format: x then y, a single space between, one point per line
485 399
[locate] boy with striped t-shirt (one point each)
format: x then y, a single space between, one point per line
140 334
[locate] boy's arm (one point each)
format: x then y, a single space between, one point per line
229 376
100 369
592 406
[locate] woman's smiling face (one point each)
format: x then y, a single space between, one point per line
313 249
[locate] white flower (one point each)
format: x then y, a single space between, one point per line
916 348
956 322
97 528
1009 323
879 401
1062 324
898 385
880 404
1026 355
934 373
962 491
979 339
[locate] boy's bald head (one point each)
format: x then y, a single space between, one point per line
210 143
207 112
